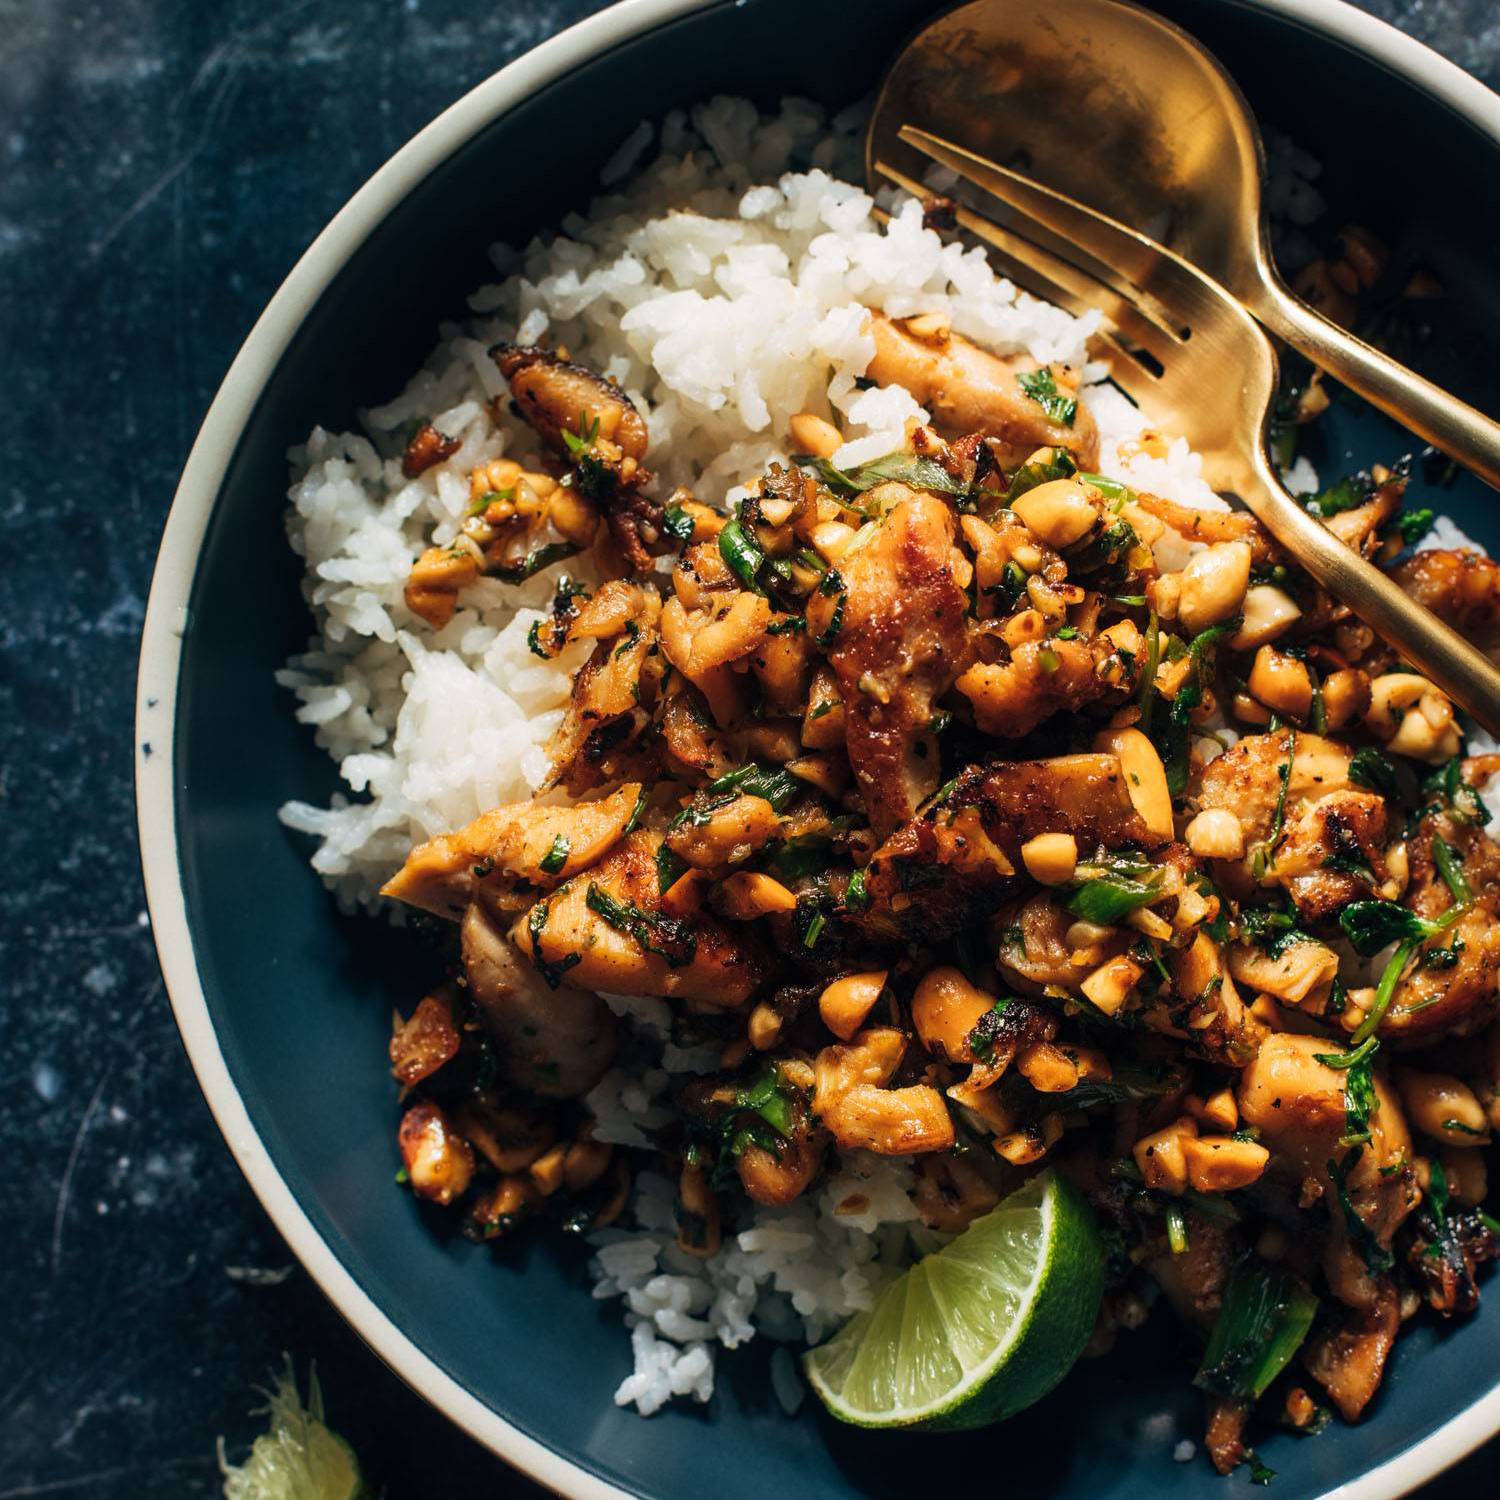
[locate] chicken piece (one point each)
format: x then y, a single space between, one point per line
1349 1362
591 422
1208 1011
1225 1435
541 846
1333 853
1297 1104
556 396
778 1177
427 447
1359 527
1456 992
614 694
897 637
969 390
1210 526
1194 1280
946 868
1040 954
607 929
952 1191
1436 997
728 834
551 1039
1460 587
1042 678
1444 1257
1246 778
853 1102
688 736
426 1040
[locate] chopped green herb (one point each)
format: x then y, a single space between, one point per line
1148 672
667 937
534 561
1446 785
1376 1257
583 440
1111 489
778 787
678 524
857 892
814 930
742 554
904 468
636 811
1068 633
1359 1088
1350 492
1048 659
1106 898
483 503
1177 1231
536 925
1042 388
803 856
557 856
787 625
826 638
1414 525
1058 465
1451 871
670 868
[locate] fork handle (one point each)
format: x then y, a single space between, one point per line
1461 431
1462 671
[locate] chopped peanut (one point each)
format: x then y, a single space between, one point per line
1219 1163
1161 1156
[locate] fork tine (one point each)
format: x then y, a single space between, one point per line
1117 250
1053 279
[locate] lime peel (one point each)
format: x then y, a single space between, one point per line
978 1330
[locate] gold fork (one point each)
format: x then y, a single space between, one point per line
1199 366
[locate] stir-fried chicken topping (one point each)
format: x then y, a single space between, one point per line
969 823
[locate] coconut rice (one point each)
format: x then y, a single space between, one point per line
723 288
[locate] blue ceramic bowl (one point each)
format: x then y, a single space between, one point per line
283 1005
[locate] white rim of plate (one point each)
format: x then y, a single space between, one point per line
166 620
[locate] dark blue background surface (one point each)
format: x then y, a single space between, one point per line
162 164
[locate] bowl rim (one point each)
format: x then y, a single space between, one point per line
167 617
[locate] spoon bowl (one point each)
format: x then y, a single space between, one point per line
1119 108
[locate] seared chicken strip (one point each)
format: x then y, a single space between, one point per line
606 929
944 868
521 842
967 389
897 637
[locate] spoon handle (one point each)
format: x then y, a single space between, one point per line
1462 671
1462 432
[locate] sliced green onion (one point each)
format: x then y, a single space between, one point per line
1264 1318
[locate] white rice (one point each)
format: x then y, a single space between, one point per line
724 289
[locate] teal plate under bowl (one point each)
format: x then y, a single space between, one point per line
299 998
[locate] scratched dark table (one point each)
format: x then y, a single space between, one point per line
162 165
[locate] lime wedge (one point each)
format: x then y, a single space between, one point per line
978 1330
297 1457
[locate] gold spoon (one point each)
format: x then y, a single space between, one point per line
1127 113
